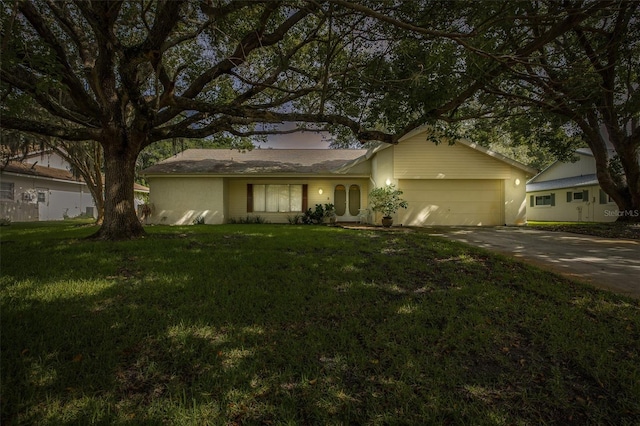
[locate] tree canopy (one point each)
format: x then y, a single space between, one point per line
129 74
556 73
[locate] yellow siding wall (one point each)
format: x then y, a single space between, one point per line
238 194
417 158
474 202
382 168
180 200
515 198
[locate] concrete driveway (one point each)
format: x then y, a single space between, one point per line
611 264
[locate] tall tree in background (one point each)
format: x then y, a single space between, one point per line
128 74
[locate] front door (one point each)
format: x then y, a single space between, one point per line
347 201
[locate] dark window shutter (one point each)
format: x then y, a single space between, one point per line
603 197
305 198
553 199
249 198
531 201
585 196
569 197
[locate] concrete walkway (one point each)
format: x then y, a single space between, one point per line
611 264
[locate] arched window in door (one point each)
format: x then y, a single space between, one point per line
354 200
340 200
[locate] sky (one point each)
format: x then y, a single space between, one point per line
301 140
297 140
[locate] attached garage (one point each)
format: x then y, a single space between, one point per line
452 202
459 184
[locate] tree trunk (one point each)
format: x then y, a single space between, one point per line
623 186
120 219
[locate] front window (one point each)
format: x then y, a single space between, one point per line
6 191
543 200
277 198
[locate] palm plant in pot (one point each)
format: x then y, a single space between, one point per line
387 201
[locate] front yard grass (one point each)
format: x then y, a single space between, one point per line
269 324
625 230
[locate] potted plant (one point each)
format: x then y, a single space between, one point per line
387 201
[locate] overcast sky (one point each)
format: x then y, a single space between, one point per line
297 140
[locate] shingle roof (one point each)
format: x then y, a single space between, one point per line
39 171
569 182
257 161
52 173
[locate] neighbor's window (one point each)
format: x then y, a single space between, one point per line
277 198
577 196
6 191
543 200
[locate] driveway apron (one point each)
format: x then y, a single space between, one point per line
607 263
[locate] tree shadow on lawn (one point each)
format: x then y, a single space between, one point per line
239 330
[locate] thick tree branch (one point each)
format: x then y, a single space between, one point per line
54 130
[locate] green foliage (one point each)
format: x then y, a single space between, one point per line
200 220
386 200
248 220
268 324
5 221
319 214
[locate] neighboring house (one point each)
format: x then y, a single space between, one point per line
461 184
570 192
42 187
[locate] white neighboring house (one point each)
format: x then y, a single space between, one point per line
42 188
569 192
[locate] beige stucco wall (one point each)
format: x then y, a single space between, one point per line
574 211
179 200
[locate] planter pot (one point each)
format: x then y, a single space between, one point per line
387 222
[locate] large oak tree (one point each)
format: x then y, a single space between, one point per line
127 74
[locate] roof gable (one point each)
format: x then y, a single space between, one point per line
585 165
484 155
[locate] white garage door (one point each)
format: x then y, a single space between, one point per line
452 202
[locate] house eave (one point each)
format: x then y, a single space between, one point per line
257 175
44 178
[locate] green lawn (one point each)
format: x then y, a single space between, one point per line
268 324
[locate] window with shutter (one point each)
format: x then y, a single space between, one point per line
275 198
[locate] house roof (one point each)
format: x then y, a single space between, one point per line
52 173
257 161
569 182
39 171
